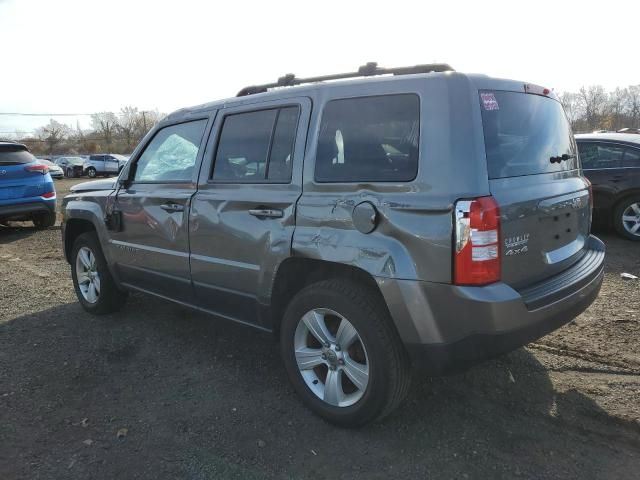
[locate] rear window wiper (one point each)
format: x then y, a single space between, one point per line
560 158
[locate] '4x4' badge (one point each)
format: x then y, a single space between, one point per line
516 245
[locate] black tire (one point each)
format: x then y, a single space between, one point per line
389 367
618 213
44 220
91 172
110 299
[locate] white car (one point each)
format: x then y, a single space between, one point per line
54 170
104 164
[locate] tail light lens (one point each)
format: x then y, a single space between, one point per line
49 195
37 168
477 242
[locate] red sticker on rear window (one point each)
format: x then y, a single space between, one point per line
489 101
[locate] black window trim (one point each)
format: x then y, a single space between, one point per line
234 111
368 182
624 146
201 148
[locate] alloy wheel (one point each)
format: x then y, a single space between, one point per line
331 357
631 219
87 275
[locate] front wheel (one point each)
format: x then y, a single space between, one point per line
91 172
92 281
342 353
627 218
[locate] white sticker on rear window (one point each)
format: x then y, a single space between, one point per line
489 101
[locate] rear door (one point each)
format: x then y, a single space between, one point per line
612 168
243 214
535 176
111 164
152 250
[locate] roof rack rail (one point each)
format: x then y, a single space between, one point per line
369 70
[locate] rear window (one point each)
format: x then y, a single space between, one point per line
369 139
522 132
15 156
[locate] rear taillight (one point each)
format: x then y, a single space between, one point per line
37 168
49 195
477 242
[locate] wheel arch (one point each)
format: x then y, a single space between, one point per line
632 192
75 227
295 273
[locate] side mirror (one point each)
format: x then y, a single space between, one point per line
126 176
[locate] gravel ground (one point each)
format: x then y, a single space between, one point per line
157 391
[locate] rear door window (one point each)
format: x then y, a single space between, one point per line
522 132
631 158
597 156
369 139
257 146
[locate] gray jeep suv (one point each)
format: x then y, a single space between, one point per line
414 217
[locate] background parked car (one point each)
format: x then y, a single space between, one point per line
611 161
72 166
104 164
26 188
54 170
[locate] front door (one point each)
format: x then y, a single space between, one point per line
152 251
243 214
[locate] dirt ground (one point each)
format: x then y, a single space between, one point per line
157 391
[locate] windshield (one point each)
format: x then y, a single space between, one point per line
523 133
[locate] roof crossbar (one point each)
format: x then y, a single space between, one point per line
369 70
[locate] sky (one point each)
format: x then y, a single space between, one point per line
82 56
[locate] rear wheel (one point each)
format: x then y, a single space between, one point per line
342 353
44 220
92 281
627 218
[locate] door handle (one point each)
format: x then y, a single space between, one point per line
172 207
266 213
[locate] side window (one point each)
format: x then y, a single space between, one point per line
588 154
256 147
171 155
609 156
369 139
631 158
284 139
94 157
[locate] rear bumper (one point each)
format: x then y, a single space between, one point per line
447 328
24 209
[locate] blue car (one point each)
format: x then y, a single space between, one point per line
26 188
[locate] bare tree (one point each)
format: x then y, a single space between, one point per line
571 105
592 101
129 125
616 107
53 134
105 125
633 105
